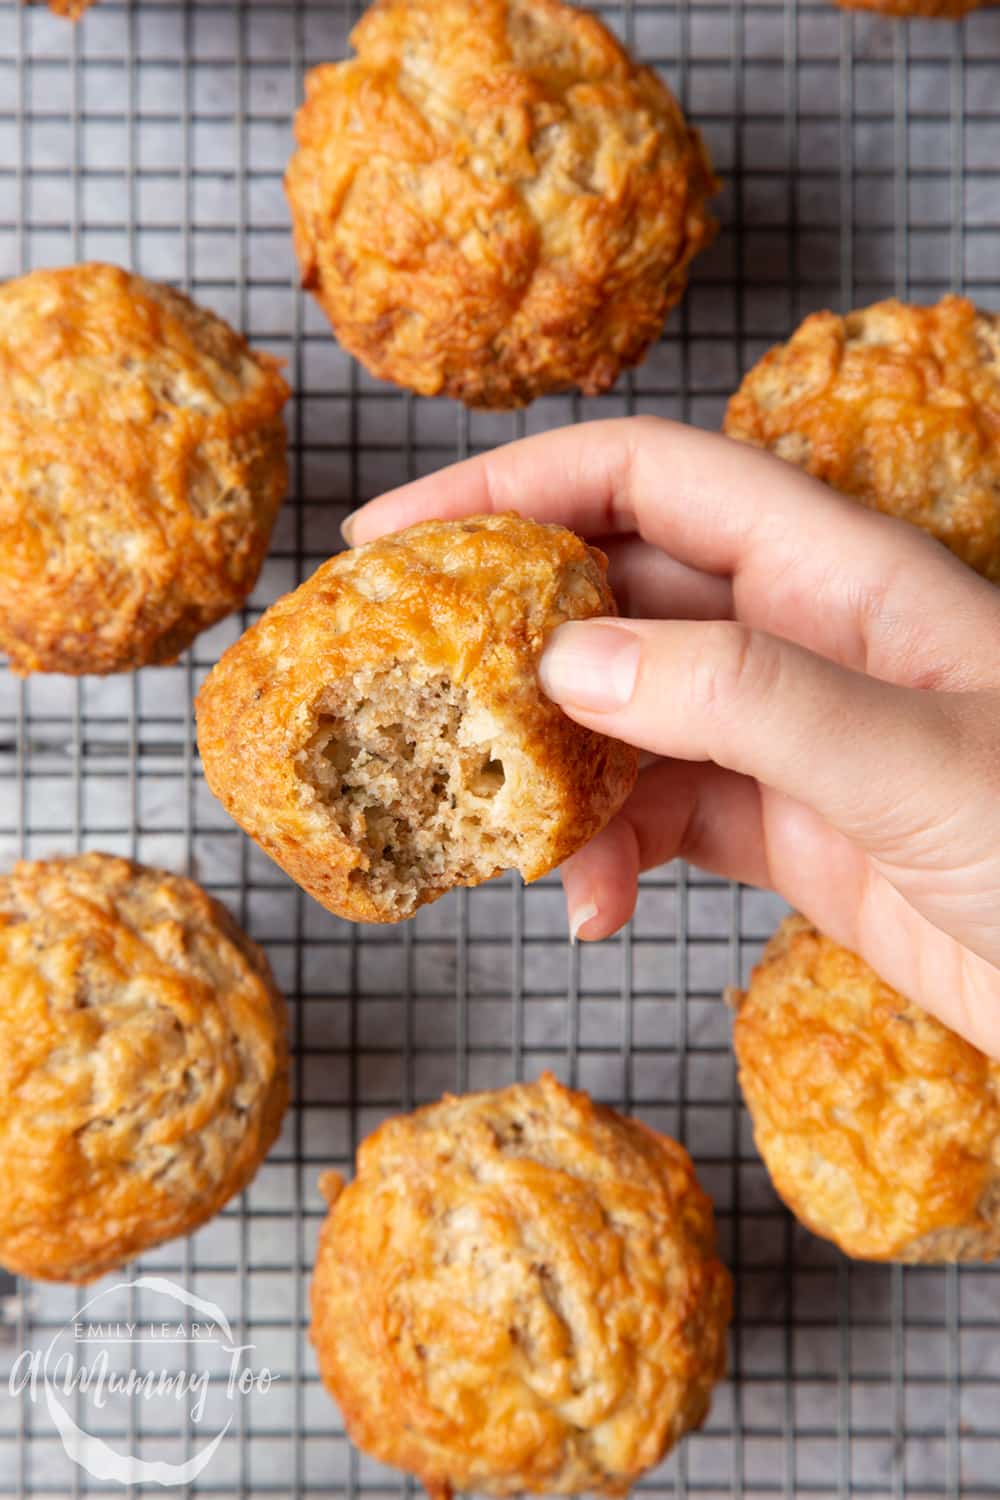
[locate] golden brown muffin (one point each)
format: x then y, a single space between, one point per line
492 201
897 406
519 1291
879 1126
143 1062
932 9
72 9
142 464
381 731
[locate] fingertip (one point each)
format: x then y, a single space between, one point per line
370 521
394 511
590 665
579 918
600 882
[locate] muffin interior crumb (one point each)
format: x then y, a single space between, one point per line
418 779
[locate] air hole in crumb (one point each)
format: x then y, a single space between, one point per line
490 779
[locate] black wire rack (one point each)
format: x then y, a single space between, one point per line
861 158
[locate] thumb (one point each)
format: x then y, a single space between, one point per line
864 754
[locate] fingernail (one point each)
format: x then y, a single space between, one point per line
590 665
579 916
347 528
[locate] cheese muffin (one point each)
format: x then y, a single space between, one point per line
491 200
946 10
381 732
879 1126
142 465
72 9
520 1291
898 407
143 1063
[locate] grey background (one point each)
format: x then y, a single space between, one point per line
860 158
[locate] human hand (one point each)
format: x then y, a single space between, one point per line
820 684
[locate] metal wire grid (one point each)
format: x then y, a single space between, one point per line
860 159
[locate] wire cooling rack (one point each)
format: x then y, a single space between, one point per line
860 158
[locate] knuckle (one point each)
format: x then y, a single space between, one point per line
643 424
734 664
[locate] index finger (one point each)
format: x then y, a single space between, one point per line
807 563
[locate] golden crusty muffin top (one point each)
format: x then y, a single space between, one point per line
897 406
520 1291
381 731
879 1126
143 1062
491 200
142 464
